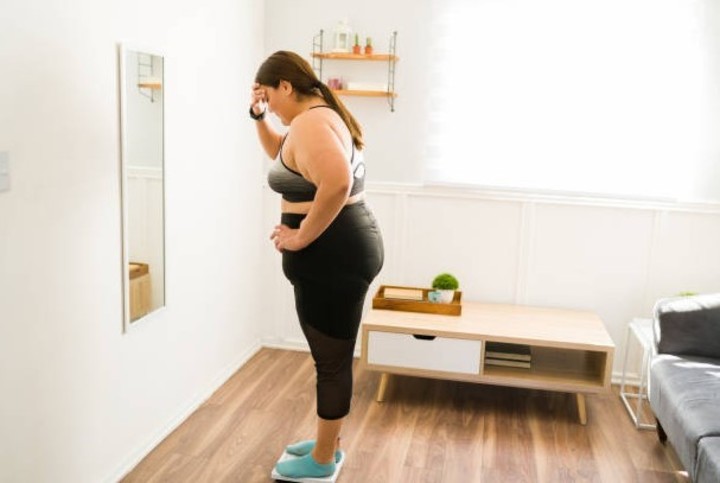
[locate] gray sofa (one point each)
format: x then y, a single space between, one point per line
684 388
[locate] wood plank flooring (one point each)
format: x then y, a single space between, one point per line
426 431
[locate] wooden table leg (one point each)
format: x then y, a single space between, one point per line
382 387
582 411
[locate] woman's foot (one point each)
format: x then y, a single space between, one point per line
304 467
301 448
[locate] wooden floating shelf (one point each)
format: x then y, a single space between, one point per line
349 56
150 85
346 92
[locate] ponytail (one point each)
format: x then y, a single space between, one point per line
353 126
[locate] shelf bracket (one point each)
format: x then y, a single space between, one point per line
318 49
391 70
145 70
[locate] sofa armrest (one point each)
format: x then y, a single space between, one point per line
688 325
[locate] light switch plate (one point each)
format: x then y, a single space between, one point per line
4 171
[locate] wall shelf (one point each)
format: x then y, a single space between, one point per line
150 85
319 56
349 56
352 92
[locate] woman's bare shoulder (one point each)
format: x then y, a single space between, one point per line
316 115
317 124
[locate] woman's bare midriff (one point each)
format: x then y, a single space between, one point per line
303 207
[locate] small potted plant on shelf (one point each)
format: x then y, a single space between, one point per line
356 48
368 46
444 286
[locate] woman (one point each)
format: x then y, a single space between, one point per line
330 242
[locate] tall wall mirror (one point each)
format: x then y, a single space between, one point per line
142 181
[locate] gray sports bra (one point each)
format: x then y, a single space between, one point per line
294 188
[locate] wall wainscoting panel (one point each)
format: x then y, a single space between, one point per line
146 224
615 257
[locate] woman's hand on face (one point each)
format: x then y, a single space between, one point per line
286 238
258 99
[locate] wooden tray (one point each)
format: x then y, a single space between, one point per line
383 301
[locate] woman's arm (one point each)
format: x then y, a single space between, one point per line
320 157
269 138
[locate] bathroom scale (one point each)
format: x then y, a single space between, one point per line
326 479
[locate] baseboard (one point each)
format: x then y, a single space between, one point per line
631 378
132 460
297 345
286 344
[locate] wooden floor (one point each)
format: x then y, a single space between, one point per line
426 431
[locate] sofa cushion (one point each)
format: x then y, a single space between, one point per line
685 397
688 325
707 469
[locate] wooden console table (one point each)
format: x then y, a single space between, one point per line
571 350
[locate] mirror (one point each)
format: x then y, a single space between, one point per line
142 182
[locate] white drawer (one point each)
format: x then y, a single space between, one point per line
439 354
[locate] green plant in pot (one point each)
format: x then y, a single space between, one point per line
445 285
368 46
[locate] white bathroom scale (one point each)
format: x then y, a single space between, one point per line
326 479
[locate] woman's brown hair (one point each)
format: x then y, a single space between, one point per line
290 67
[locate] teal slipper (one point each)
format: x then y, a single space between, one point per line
304 467
301 448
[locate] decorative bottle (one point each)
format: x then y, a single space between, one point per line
343 35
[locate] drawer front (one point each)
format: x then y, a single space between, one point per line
439 354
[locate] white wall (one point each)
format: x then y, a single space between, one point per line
81 402
612 256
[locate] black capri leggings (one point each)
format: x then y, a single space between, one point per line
331 277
